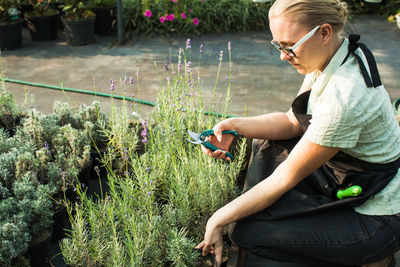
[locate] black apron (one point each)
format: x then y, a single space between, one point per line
317 192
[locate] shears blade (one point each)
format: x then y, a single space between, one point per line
196 137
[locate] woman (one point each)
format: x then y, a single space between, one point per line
340 132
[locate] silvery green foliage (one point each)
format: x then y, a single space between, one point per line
94 122
25 210
33 202
9 110
64 115
180 250
14 238
62 150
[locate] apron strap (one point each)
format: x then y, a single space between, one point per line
374 80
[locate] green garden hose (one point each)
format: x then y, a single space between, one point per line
100 94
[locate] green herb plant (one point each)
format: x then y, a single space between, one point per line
77 10
10 113
156 210
41 8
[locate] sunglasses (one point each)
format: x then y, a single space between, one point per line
290 50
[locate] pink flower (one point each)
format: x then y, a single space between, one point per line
174 1
162 19
170 17
148 13
196 21
183 15
190 10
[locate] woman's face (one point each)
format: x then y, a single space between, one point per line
310 55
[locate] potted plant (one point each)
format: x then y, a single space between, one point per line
105 16
42 21
10 113
26 209
79 22
10 25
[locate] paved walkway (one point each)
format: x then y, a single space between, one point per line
261 82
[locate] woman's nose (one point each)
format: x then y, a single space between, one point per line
285 56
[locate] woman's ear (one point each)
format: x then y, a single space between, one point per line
326 32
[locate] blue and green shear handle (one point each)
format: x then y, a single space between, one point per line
201 139
210 146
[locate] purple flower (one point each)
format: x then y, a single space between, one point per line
229 46
166 66
188 45
125 80
170 17
47 147
147 169
144 132
148 13
183 15
201 49
126 215
149 193
112 87
131 80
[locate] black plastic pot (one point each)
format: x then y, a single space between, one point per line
105 16
43 28
59 218
79 32
11 36
40 252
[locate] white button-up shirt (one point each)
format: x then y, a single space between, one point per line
358 120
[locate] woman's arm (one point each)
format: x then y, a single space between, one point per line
305 158
272 126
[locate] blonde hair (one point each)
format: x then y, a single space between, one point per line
312 13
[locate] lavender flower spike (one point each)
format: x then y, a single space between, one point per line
229 46
188 45
112 87
201 49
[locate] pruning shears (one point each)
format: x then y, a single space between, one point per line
201 139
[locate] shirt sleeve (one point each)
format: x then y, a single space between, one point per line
335 121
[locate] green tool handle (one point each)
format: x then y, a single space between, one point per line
213 148
206 133
352 191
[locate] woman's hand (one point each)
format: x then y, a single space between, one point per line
222 141
213 242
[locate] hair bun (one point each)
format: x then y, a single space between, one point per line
342 9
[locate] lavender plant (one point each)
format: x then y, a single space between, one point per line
156 210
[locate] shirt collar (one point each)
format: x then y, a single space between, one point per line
321 79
